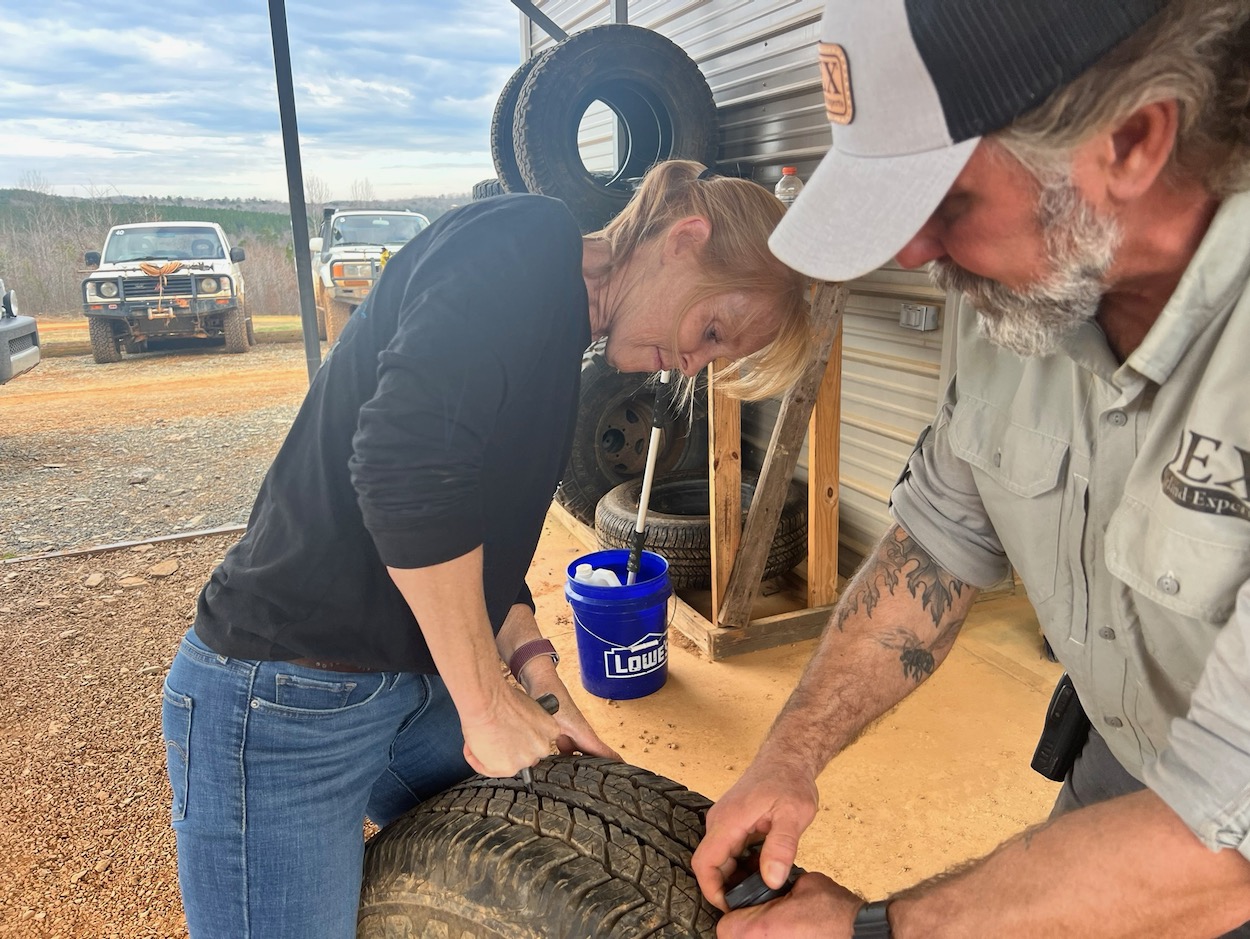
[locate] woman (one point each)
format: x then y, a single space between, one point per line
346 655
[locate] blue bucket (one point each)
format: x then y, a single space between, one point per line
622 632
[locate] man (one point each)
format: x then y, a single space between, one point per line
1079 169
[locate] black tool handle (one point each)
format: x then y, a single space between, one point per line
750 889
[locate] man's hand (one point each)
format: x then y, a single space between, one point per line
817 908
775 800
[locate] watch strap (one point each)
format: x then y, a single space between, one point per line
528 650
873 921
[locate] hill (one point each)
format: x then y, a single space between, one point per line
25 209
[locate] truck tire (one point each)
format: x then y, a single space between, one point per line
319 301
613 432
487 188
599 849
679 528
251 332
234 330
654 88
105 346
337 315
502 149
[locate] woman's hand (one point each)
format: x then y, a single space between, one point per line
509 734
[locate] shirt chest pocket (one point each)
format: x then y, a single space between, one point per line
1019 474
1179 559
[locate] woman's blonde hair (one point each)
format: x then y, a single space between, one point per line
741 215
1196 52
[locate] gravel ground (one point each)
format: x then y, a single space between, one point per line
96 455
158 444
86 850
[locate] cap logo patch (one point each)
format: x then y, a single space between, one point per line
835 79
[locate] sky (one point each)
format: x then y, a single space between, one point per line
122 97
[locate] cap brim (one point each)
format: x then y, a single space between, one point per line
855 213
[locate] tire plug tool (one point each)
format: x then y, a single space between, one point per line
751 890
659 416
550 703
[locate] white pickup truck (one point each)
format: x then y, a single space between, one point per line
164 280
19 338
348 255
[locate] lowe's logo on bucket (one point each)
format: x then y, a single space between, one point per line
644 656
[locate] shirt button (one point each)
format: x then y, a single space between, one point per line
1107 632
1168 584
1118 418
1113 722
998 458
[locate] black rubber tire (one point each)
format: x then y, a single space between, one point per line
599 849
678 526
487 188
234 331
319 303
105 346
337 315
651 84
251 332
502 149
614 418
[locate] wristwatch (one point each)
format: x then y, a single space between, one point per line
872 921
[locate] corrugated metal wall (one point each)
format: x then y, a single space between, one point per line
759 57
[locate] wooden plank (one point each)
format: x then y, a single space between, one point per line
768 632
780 460
724 443
824 436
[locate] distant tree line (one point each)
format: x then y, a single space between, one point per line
43 238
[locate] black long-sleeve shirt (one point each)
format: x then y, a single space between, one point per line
441 420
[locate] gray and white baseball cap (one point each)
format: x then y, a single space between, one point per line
910 88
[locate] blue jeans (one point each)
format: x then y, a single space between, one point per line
274 768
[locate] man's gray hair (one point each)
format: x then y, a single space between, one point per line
1196 52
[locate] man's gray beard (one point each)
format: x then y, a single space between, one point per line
1032 322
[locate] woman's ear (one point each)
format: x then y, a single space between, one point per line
1135 153
686 235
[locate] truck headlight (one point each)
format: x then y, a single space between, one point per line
207 285
344 270
106 289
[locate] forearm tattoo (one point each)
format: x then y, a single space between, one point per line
900 560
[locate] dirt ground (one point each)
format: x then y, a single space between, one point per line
85 847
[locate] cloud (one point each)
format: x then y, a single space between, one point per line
177 100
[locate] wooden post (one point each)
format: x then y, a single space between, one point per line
724 419
780 460
824 435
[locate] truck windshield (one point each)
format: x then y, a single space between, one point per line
377 229
158 243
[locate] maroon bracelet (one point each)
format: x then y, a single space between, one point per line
529 650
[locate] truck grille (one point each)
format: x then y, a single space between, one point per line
139 287
21 343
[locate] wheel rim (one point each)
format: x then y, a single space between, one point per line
623 434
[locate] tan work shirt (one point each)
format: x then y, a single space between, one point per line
1121 494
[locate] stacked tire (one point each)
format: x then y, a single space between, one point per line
616 412
661 100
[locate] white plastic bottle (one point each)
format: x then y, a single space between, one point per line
789 186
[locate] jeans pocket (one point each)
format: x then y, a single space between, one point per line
176 732
304 694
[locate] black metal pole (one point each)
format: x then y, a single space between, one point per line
295 184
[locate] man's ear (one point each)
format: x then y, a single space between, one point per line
1136 152
686 235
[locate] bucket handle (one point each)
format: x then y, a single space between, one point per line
668 625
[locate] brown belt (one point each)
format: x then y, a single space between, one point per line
331 666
